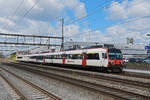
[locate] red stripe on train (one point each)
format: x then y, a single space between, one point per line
63 60
84 60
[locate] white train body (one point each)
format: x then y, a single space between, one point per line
96 57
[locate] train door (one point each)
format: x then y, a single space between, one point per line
84 59
63 59
101 59
104 61
44 59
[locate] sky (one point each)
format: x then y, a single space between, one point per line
84 20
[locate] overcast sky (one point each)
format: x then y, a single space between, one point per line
107 21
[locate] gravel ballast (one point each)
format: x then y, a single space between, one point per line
61 89
131 88
5 92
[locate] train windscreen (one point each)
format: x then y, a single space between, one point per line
114 54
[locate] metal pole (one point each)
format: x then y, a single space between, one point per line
62 44
149 41
17 39
48 42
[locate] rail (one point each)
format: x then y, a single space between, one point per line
35 87
114 92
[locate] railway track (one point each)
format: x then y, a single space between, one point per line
128 74
96 76
16 92
114 92
136 75
31 91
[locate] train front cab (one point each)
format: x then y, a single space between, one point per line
115 60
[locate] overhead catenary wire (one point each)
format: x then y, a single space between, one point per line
14 13
92 12
127 21
59 17
27 12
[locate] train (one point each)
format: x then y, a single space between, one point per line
102 59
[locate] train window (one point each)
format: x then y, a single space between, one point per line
74 56
55 56
33 57
104 55
52 56
93 56
62 56
40 57
79 56
45 57
59 56
70 56
49 57
67 56
19 57
96 56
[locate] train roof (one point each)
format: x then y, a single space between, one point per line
77 51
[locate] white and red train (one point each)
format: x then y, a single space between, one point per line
107 59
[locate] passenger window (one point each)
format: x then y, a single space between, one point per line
105 56
19 57
79 56
93 56
96 56
74 56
